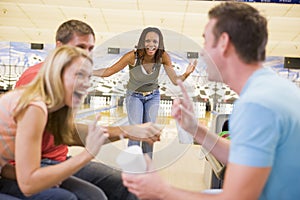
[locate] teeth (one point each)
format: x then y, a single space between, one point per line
80 93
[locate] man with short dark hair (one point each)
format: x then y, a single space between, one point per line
72 32
262 157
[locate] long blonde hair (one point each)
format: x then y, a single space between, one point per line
48 87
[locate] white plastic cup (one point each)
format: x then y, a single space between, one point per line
132 160
183 136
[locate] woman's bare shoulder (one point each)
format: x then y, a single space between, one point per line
130 57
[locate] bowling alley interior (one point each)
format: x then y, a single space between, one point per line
27 35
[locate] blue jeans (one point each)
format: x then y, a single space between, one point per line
142 109
80 187
10 189
97 177
106 178
7 197
85 184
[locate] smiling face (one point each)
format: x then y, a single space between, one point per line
76 80
151 43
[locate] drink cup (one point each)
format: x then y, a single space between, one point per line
183 136
131 160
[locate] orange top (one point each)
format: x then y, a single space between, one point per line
8 102
49 149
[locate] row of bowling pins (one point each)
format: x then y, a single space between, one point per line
224 108
99 101
165 108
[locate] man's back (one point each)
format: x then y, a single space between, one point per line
265 132
28 75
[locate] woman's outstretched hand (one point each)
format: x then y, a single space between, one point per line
191 67
96 137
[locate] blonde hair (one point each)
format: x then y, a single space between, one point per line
48 87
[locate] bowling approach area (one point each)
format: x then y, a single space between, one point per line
180 162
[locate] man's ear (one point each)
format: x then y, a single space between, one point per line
224 42
58 43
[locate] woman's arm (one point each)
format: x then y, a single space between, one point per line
126 59
166 61
147 132
30 128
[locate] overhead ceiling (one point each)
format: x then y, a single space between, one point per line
37 20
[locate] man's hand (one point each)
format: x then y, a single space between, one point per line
183 111
148 185
95 138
